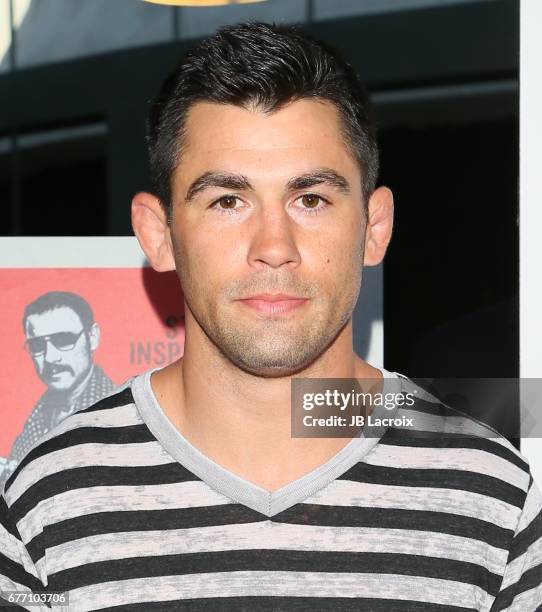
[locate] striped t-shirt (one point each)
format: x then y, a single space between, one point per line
115 508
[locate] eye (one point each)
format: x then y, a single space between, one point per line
225 204
312 203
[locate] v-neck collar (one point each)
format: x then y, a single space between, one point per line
233 486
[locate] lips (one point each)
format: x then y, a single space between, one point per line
277 303
274 297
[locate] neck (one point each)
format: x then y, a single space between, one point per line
243 421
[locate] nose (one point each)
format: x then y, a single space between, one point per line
52 354
273 243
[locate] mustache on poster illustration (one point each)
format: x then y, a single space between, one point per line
73 336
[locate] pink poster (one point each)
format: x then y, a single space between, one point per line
71 336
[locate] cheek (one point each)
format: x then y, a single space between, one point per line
202 267
334 254
79 358
208 256
337 264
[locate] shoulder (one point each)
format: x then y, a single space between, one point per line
439 441
60 459
102 378
37 410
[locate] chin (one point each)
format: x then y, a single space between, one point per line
272 368
282 373
61 386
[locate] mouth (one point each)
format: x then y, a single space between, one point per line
277 303
55 373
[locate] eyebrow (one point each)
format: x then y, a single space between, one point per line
228 180
225 180
317 177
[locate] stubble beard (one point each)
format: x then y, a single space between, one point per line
274 346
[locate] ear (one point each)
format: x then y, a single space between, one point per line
379 226
151 228
94 336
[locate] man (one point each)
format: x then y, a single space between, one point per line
61 336
186 490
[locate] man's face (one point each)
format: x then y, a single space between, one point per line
60 370
282 213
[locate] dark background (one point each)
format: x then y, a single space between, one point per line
444 82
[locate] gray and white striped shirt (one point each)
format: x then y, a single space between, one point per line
116 508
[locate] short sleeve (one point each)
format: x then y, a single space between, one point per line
17 570
521 587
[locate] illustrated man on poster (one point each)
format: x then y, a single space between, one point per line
185 489
61 337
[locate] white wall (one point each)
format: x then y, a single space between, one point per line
531 213
5 36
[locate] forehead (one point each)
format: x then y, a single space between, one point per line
52 321
300 136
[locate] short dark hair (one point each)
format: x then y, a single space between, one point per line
267 65
60 299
